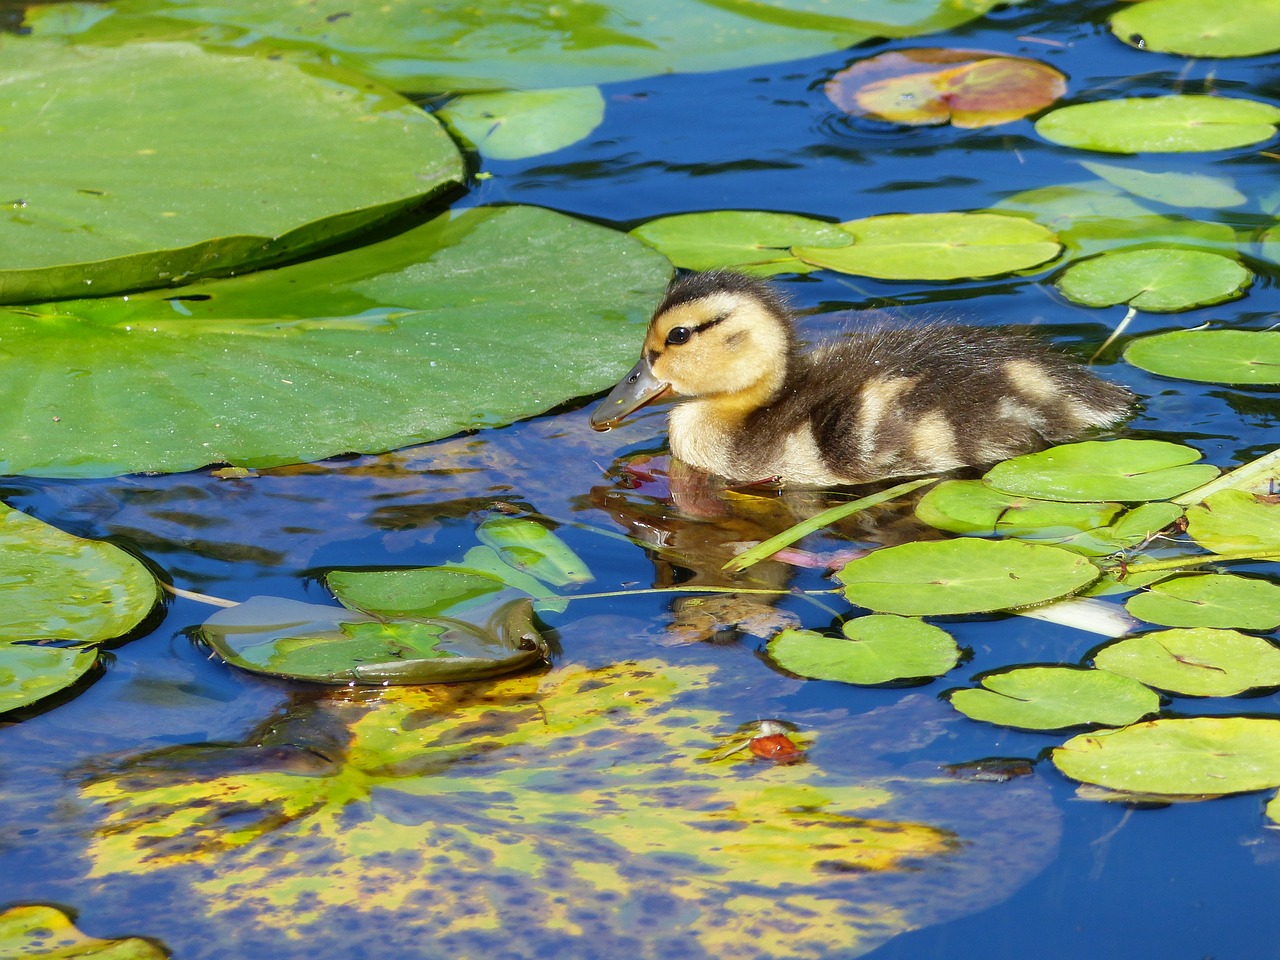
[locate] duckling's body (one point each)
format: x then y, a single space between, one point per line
881 403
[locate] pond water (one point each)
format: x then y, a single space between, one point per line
1032 869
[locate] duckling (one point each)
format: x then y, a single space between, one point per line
883 402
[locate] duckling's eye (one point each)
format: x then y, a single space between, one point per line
679 335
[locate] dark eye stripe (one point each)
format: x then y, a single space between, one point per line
678 335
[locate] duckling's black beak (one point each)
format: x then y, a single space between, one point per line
632 392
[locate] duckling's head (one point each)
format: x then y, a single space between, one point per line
716 335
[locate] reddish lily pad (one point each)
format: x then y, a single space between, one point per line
966 88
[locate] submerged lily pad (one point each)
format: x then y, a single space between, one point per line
189 186
963 576
530 803
37 931
878 649
323 644
751 241
510 44
937 246
514 124
1156 279
1248 357
931 85
1190 756
467 321
1126 470
1210 600
1173 124
1200 28
1171 187
1053 698
1200 662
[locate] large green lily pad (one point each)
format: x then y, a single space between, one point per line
509 43
1170 187
1053 698
1156 279
963 576
877 649
468 321
1210 600
1200 28
1247 357
107 195
1127 470
971 506
937 246
1173 124
1205 756
1200 662
36 931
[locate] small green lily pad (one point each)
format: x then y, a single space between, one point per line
1210 600
1201 28
1126 470
751 241
324 644
1191 756
1247 357
1234 521
514 124
937 246
1155 279
971 506
29 672
1173 124
1053 698
1200 662
36 931
879 649
938 578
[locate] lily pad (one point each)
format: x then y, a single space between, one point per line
189 186
751 241
937 246
1126 470
30 673
514 124
1053 698
1201 662
1170 187
512 44
932 85
323 644
971 506
1235 521
36 931
533 549
963 576
1173 124
470 320
1205 756
1155 279
1210 600
1094 217
879 649
1247 357
1200 28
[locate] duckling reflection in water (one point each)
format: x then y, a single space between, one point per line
884 402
